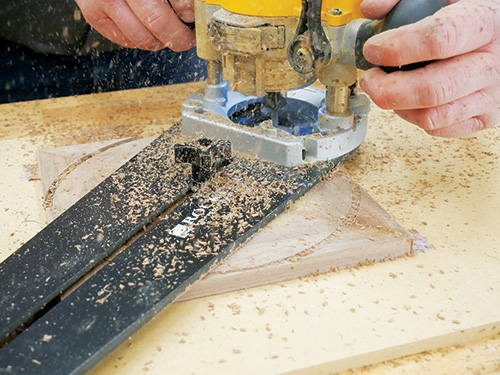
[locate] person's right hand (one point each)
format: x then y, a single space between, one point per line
145 24
459 92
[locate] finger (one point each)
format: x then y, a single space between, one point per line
468 126
443 35
376 9
115 20
111 31
160 19
100 21
184 9
433 85
131 26
478 103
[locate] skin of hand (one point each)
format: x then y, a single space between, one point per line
145 24
459 92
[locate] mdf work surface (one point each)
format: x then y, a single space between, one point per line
445 189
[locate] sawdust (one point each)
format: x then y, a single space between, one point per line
239 196
229 207
55 184
347 220
236 309
46 338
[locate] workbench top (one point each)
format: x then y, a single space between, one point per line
446 189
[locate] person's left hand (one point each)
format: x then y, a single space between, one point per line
146 24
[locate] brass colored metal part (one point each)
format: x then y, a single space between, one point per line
337 100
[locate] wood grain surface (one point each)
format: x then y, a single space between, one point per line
382 314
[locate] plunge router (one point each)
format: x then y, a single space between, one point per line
262 56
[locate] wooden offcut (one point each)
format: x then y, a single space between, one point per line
337 225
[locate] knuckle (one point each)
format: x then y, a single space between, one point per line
443 42
483 123
156 21
432 94
102 23
431 120
447 31
427 119
476 124
112 4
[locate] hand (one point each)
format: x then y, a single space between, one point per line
145 24
459 92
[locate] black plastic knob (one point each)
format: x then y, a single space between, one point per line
404 13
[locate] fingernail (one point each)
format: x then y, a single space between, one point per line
187 15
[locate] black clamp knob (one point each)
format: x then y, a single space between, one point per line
205 156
